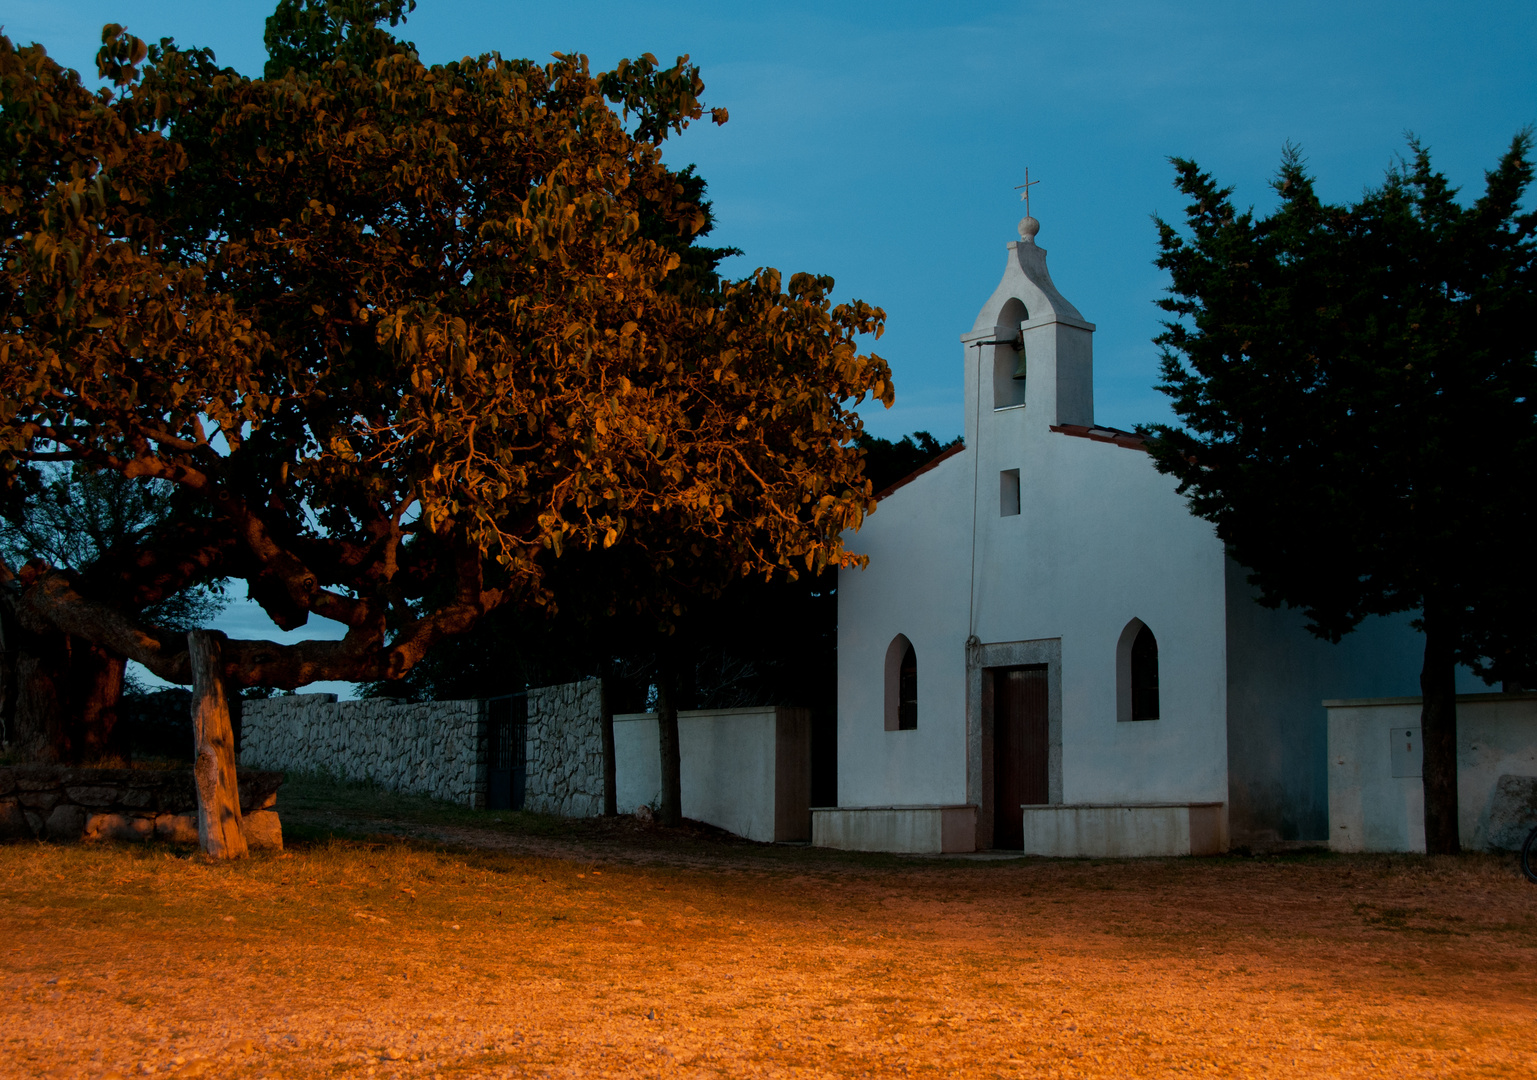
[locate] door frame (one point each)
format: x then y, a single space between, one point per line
980 660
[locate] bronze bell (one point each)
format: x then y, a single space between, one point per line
1019 347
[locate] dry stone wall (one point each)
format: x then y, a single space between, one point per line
434 748
565 750
60 803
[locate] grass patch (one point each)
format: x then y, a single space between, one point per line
318 805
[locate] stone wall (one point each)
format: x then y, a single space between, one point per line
48 802
565 750
434 748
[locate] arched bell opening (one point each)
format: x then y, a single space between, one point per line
1009 365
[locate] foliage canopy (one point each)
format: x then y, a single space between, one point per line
1357 390
406 331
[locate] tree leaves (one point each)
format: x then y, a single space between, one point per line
413 331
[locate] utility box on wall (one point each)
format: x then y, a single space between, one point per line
1406 752
747 771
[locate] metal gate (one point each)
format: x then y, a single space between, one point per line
506 751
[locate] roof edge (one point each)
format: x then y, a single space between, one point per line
910 477
1099 433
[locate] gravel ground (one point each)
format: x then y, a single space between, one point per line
608 949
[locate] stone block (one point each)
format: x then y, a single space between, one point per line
92 796
263 830
41 801
176 828
36 778
1512 812
34 821
66 822
7 782
119 827
13 821
177 794
137 798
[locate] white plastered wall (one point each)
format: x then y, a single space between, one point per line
919 543
1101 539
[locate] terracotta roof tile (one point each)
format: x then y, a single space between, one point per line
1129 439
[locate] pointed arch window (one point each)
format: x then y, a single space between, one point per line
901 685
1136 663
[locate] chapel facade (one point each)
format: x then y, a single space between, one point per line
1047 652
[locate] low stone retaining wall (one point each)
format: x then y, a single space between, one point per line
434 748
565 750
46 802
921 830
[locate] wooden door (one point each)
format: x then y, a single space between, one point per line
1020 732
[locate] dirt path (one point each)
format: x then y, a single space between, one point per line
678 956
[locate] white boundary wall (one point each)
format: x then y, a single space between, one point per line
1371 809
747 771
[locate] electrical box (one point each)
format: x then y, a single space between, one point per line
1406 753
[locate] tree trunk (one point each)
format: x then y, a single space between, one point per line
59 694
610 771
219 827
667 728
36 726
10 639
1438 735
98 679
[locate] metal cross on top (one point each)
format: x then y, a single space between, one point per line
1025 189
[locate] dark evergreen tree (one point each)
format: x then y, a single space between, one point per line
1355 389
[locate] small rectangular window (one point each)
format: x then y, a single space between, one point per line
1008 493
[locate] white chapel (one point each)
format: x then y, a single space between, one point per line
1049 653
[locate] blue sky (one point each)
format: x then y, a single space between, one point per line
880 142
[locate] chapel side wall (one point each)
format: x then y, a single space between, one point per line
919 543
564 773
1279 675
433 748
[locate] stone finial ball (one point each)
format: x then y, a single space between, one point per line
1028 227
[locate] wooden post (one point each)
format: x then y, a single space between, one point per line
219 827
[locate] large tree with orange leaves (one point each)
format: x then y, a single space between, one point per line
405 333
